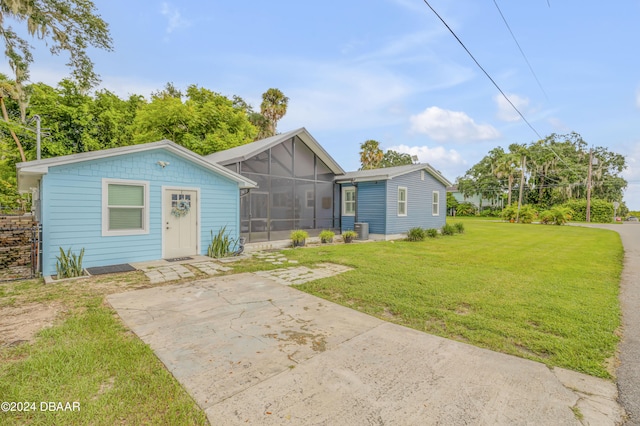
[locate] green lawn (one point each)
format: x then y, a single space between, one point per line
90 358
546 293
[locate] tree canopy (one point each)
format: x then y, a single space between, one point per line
555 171
66 25
74 121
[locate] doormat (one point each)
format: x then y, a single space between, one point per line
111 269
178 259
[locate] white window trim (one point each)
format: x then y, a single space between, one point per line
105 208
435 194
346 189
405 202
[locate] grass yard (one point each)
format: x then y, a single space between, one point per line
89 357
546 293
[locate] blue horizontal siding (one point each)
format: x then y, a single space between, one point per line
419 203
72 206
371 198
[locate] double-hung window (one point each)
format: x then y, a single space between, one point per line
402 201
125 207
435 206
349 201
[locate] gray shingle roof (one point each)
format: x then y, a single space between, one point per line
387 173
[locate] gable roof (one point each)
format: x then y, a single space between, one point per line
29 172
244 152
387 173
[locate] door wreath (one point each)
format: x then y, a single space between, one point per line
181 208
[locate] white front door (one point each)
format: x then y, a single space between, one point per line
180 223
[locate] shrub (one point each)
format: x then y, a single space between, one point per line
299 235
221 244
527 214
509 213
459 226
601 211
466 209
69 265
431 232
349 235
447 229
490 212
558 215
326 236
415 234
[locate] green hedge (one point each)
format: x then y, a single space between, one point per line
601 211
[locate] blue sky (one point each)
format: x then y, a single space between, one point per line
389 70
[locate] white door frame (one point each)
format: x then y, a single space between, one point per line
163 213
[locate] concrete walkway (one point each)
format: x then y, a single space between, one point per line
253 351
628 373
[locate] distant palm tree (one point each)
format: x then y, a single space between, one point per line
506 165
370 155
273 108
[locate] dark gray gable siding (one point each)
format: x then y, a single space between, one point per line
419 203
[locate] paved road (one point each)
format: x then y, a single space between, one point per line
251 350
628 372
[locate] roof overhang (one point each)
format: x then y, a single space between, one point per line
29 173
388 174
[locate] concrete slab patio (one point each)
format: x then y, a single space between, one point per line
253 351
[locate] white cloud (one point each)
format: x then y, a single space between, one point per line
176 20
444 125
437 155
505 109
448 161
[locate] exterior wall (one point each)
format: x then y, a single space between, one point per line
72 207
371 198
475 200
346 222
419 203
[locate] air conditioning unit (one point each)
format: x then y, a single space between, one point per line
362 229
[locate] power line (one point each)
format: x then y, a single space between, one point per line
520 48
483 70
493 81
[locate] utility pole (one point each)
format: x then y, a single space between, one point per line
524 159
588 218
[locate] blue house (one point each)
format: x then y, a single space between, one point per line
130 204
393 200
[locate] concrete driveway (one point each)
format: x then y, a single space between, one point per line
628 372
251 350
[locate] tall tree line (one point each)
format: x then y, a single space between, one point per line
73 121
547 172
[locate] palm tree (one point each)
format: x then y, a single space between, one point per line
506 165
370 155
273 108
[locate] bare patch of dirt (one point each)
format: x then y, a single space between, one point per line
387 313
463 309
19 324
